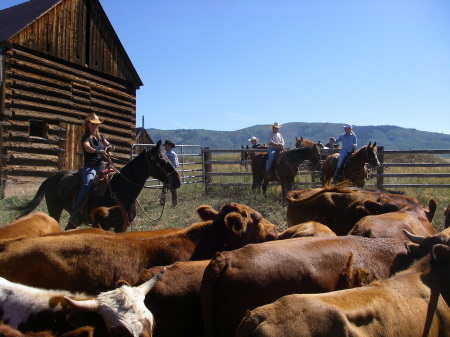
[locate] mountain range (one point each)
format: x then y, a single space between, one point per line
390 136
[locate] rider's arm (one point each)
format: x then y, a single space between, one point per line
88 147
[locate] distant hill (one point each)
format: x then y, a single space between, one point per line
390 136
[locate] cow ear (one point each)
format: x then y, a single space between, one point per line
206 212
235 222
441 253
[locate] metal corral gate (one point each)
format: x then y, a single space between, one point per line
191 163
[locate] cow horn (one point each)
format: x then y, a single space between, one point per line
87 305
413 238
147 286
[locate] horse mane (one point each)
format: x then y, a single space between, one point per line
293 197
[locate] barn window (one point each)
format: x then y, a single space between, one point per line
38 129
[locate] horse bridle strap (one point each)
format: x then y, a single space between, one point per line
126 221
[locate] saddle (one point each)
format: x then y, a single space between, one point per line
98 189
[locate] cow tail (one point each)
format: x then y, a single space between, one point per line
27 207
211 275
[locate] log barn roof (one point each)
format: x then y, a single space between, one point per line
31 25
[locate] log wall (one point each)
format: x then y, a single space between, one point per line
57 97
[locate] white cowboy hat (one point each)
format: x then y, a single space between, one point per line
276 125
253 138
347 126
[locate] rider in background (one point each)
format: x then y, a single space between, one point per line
173 157
255 142
94 145
349 143
275 143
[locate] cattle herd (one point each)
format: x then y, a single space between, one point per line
353 262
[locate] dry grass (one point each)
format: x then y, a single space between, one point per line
193 195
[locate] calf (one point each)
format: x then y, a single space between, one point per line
411 303
93 263
254 275
32 309
31 225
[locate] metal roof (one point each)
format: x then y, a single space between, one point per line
16 18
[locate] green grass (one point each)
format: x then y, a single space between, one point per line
193 195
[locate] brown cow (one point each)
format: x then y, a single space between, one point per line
411 303
31 225
7 331
122 310
175 300
447 217
385 225
340 206
93 263
259 274
310 228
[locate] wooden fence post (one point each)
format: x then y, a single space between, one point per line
208 167
380 170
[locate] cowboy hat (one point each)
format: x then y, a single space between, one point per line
347 126
168 142
276 125
93 118
253 138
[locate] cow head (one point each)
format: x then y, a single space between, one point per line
123 309
244 225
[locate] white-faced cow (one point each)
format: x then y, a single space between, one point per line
122 310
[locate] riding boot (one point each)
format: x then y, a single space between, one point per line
337 173
174 197
74 220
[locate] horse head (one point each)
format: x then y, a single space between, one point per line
161 168
372 157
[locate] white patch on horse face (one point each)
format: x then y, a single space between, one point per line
125 306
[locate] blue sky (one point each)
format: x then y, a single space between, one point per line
227 65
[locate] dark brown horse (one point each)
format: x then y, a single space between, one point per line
284 168
354 168
60 190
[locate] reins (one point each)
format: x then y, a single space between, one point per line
108 158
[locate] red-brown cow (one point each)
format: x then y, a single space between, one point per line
391 225
447 217
175 300
122 310
413 303
93 263
7 331
255 275
339 206
310 228
31 225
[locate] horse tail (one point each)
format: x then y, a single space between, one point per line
100 212
27 207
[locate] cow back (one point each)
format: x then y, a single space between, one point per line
270 270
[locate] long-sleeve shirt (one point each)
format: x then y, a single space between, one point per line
173 158
349 142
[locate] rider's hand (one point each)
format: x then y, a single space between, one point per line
110 148
101 152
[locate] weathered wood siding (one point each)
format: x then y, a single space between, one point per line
79 32
65 64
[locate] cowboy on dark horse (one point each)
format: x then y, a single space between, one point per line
349 143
